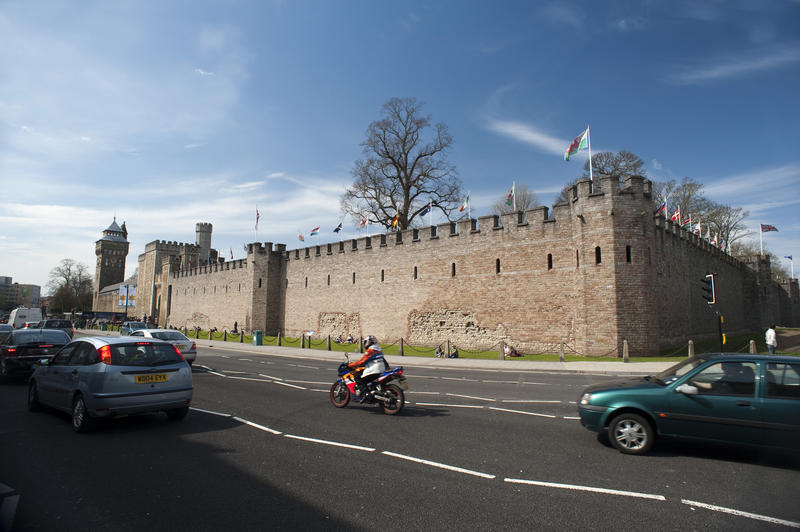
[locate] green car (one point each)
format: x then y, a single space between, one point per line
742 399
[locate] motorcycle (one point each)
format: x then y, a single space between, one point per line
386 390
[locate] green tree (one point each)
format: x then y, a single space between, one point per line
401 171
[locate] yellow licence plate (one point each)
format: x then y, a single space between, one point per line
147 379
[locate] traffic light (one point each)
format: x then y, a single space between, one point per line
709 293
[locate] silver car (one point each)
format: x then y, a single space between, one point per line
187 347
106 377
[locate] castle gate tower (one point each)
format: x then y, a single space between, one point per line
111 251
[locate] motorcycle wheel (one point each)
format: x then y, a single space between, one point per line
396 400
340 395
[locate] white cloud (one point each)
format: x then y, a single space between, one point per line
737 66
765 181
564 14
635 23
528 134
204 72
657 165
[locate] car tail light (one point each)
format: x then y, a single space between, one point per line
46 345
194 346
105 354
178 352
11 351
142 343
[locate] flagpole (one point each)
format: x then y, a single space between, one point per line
761 237
469 206
430 212
589 138
256 240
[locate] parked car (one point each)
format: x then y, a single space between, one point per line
5 330
742 399
105 377
64 325
22 348
187 347
20 315
130 326
31 325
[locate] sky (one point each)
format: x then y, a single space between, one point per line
165 114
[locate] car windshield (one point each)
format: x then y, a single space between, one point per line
57 324
672 373
136 325
170 336
143 354
39 336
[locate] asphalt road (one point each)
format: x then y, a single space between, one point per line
473 449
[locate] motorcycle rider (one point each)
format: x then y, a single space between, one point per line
372 365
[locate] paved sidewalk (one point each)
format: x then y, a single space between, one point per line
610 368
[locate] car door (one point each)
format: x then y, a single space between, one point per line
50 378
725 406
781 410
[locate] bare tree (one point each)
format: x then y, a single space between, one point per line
620 165
71 284
525 199
749 248
727 222
401 173
686 194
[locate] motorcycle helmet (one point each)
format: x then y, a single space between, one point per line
370 341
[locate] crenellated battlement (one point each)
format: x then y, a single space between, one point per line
170 246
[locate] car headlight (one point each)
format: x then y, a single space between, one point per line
585 398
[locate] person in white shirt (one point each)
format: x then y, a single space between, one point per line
771 339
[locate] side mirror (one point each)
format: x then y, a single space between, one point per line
687 389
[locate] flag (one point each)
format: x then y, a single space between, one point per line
300 237
363 223
581 142
427 209
676 216
697 229
315 231
464 205
395 220
767 228
714 241
338 228
662 209
231 253
511 193
788 257
257 217
687 223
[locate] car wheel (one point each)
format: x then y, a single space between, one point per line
81 421
177 413
33 398
631 434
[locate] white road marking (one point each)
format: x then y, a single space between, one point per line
235 371
539 383
271 377
520 412
256 425
775 520
423 393
209 412
586 488
326 442
308 382
308 367
246 359
216 373
570 417
458 379
439 465
248 379
470 397
225 356
528 401
317 390
450 406
290 385
502 382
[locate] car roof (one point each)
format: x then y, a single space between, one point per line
161 330
99 341
743 356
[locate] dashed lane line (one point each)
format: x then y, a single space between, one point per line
521 412
328 442
471 397
209 412
740 513
290 385
271 377
448 405
528 401
586 488
439 465
256 425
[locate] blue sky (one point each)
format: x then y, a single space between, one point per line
170 113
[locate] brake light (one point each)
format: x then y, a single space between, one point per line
46 345
194 346
142 343
178 352
105 354
11 351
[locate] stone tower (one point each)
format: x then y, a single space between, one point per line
111 251
203 241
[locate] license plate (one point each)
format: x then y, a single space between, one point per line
148 379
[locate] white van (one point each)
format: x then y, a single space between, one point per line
20 315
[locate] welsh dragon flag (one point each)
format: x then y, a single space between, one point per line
581 142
